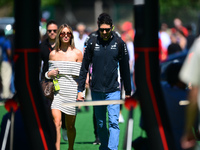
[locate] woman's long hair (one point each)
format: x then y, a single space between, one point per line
58 43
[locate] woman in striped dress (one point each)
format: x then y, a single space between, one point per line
64 64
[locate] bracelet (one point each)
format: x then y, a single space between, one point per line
46 75
79 91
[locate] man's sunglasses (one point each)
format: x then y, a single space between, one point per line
63 34
52 30
106 29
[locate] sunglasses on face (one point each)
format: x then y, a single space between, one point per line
106 29
63 34
51 31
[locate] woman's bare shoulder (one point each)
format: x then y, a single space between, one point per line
77 51
52 55
79 54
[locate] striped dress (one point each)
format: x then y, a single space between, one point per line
68 75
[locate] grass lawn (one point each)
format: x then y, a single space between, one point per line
85 131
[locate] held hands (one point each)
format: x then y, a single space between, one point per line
80 96
127 96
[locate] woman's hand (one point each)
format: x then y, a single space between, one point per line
53 73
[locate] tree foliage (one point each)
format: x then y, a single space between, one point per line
4 2
164 4
168 5
186 10
45 3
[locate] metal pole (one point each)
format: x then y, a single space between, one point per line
3 147
130 130
12 118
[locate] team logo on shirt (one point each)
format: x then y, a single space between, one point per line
114 46
97 47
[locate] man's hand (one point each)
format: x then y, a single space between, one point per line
80 96
127 96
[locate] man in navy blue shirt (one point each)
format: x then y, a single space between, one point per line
105 57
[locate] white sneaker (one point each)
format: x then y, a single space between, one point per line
64 134
121 118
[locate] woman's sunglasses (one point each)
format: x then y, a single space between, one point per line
63 34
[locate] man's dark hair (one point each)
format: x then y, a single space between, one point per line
51 22
104 18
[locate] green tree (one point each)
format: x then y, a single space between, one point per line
45 3
4 2
186 10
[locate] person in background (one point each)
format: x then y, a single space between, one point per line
104 85
11 37
179 26
164 35
174 47
80 37
48 45
127 28
175 92
190 38
127 35
181 39
130 46
6 66
164 41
